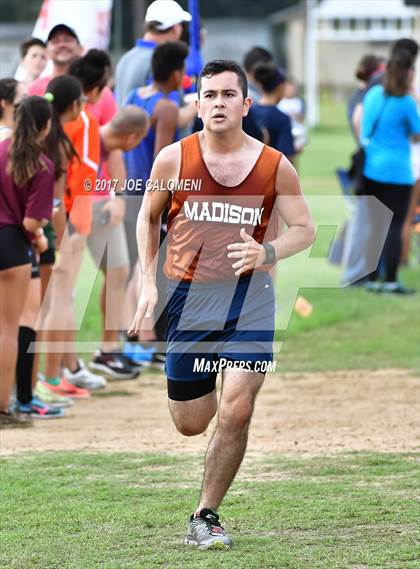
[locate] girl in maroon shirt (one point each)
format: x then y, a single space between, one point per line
26 195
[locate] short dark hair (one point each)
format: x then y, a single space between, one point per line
257 55
269 76
27 44
406 44
167 58
8 87
218 66
367 66
92 69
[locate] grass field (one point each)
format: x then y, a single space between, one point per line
74 510
84 511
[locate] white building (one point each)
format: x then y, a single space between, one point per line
325 40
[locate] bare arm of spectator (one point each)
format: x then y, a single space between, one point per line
187 114
59 220
116 171
166 119
356 119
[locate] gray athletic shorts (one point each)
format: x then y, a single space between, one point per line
107 243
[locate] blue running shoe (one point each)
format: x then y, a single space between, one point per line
39 410
139 353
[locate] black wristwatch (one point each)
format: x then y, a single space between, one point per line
270 254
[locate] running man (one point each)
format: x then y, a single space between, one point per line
216 240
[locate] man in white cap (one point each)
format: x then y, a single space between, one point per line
163 23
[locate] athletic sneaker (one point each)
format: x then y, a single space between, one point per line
52 399
67 389
84 378
137 366
396 288
14 420
39 410
205 531
373 286
139 353
112 365
148 357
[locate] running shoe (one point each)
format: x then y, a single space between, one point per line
67 389
139 353
39 410
205 532
137 366
396 288
52 399
14 420
112 365
373 286
84 378
147 357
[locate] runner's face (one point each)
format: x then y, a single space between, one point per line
221 105
63 48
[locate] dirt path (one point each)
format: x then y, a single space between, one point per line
296 413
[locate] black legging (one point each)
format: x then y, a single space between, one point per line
395 197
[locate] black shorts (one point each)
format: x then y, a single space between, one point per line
15 249
48 256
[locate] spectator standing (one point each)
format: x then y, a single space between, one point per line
163 23
278 124
92 71
63 47
168 66
34 59
26 194
252 58
294 106
11 94
369 72
388 173
123 133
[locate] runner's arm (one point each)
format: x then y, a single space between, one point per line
293 209
165 167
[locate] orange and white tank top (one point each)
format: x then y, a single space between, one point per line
205 216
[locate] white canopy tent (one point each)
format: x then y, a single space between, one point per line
354 21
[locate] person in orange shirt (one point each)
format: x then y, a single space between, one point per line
92 70
64 47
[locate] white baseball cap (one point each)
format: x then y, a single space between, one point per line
167 12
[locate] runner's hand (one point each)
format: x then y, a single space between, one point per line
145 308
250 254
